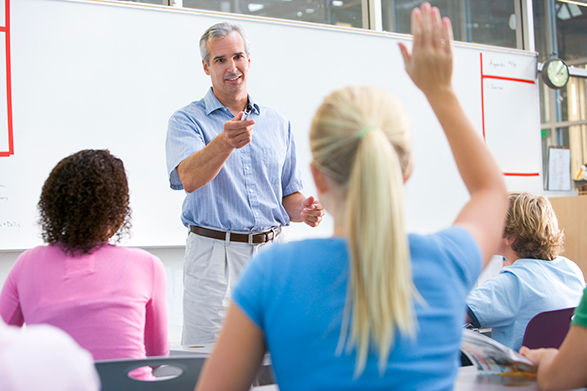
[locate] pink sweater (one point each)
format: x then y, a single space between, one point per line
112 302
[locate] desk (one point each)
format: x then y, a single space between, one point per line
264 374
197 349
468 380
204 350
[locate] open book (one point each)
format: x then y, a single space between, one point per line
491 357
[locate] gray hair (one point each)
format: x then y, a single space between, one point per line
218 31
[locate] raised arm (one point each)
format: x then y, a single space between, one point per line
203 166
430 67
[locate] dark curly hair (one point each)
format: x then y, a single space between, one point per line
85 202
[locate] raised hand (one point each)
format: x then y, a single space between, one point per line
429 65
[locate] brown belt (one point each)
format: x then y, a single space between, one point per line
256 238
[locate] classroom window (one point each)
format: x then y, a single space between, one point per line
158 2
570 131
336 12
561 30
486 22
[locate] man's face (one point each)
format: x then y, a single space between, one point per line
229 66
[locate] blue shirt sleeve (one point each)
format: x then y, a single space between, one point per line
291 175
184 138
463 249
497 301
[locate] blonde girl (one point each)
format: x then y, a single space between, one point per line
371 307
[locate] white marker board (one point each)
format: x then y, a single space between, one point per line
109 75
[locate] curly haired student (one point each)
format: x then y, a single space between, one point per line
110 299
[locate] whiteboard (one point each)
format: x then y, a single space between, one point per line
109 75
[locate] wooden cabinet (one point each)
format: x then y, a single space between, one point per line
571 213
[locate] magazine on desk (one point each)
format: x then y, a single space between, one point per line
492 357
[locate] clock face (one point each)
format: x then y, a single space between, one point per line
557 73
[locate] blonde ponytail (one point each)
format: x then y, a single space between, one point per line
359 138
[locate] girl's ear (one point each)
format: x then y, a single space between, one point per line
319 179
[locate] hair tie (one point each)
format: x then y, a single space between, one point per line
365 130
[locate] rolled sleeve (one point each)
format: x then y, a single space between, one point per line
184 138
496 302
291 175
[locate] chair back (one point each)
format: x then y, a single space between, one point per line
178 373
548 329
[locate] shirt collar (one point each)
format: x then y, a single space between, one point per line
212 103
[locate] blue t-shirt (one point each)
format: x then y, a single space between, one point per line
247 193
508 301
296 294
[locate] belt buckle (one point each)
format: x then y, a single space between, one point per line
250 238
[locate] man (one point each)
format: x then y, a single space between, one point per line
242 188
537 280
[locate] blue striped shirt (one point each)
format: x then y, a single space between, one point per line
247 193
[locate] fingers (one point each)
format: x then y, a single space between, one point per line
405 53
426 24
239 116
312 214
428 28
238 133
447 34
313 217
436 26
242 141
308 202
531 354
416 22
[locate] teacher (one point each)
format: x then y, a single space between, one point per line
241 178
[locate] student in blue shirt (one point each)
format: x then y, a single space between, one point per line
537 280
371 308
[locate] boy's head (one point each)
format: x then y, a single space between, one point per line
532 227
